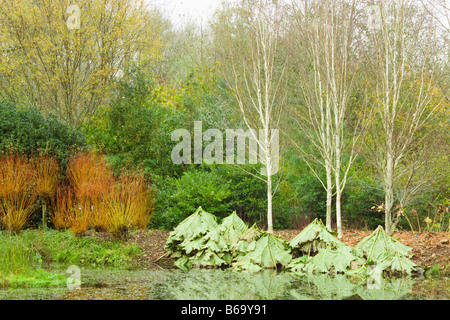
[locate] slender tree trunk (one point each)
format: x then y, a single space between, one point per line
258 79
337 176
269 204
389 192
268 147
338 211
328 167
44 214
338 201
329 195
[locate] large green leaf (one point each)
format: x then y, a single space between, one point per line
336 260
234 220
232 229
189 246
298 264
378 243
247 265
246 242
183 263
268 252
402 264
252 233
207 258
214 240
313 237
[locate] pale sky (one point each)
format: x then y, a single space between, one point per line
181 11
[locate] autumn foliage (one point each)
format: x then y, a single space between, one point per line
17 195
90 198
128 205
99 200
46 170
64 204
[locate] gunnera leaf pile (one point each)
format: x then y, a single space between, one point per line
317 250
218 244
312 237
199 241
386 253
187 238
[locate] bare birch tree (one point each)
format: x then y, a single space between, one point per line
249 35
403 56
325 77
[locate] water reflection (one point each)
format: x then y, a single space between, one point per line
226 285
220 285
269 285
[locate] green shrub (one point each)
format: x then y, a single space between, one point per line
359 197
248 194
181 197
308 196
219 189
28 132
134 130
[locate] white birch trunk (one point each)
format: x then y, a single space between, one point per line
329 191
338 189
389 192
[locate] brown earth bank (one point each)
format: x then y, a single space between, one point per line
428 248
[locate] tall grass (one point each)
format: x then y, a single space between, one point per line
92 198
141 202
90 176
46 170
17 210
17 254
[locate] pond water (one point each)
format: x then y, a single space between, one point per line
227 285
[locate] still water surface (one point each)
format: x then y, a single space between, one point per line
227 285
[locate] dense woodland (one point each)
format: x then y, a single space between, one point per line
359 91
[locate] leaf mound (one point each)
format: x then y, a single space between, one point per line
312 238
200 242
188 235
386 252
318 251
340 259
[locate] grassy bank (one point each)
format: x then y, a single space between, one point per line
27 256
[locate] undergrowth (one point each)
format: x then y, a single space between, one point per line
64 248
26 256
